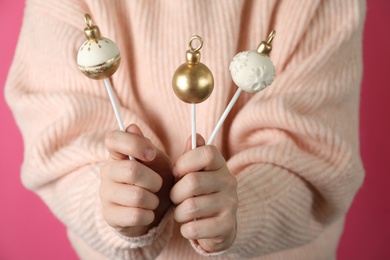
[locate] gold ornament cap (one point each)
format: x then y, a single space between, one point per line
265 47
92 32
193 81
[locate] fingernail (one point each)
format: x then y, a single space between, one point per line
150 153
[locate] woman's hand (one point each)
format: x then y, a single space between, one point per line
134 194
205 196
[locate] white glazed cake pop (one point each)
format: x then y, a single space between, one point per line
252 71
98 57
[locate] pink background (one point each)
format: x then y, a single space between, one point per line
28 230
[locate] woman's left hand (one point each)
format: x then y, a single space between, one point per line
205 196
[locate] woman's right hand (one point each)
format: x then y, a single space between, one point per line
134 193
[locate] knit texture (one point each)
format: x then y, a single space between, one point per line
293 147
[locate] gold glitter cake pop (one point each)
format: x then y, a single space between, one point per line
193 81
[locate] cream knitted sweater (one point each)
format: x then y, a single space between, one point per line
293 147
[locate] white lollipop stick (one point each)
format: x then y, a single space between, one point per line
193 125
114 104
224 115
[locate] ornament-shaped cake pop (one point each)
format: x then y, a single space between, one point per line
252 71
193 81
99 58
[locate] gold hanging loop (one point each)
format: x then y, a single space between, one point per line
271 36
88 20
194 38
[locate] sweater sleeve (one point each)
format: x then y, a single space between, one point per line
63 117
294 146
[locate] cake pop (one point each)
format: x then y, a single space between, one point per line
99 58
252 71
193 81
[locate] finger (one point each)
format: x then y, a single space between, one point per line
121 217
208 228
195 184
221 243
201 158
120 145
133 172
134 129
199 142
129 196
198 207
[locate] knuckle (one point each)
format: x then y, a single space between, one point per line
158 180
230 211
143 198
137 195
191 205
209 153
139 217
193 181
191 230
131 171
136 217
109 140
154 202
